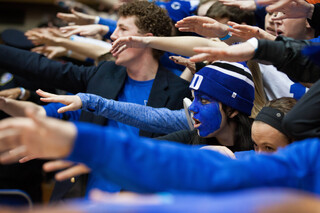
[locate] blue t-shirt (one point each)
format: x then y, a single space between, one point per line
133 92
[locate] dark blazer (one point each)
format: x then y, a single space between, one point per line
106 80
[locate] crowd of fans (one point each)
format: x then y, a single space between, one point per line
178 96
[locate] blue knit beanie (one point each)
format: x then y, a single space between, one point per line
227 82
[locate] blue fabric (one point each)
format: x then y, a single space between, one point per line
133 92
52 111
178 9
158 120
313 52
241 201
145 165
228 83
112 24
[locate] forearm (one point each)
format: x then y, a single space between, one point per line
181 45
17 108
291 62
89 50
145 165
157 120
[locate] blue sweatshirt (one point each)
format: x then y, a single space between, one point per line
144 165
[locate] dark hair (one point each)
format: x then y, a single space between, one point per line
242 135
150 18
235 14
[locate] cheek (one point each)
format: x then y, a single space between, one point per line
210 118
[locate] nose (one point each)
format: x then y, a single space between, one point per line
114 36
275 15
193 107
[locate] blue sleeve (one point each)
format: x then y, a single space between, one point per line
158 120
112 24
145 165
52 108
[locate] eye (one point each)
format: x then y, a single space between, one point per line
204 101
269 149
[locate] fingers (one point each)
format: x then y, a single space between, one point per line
179 60
56 165
9 138
71 172
27 158
67 108
13 155
45 94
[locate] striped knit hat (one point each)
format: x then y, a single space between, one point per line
227 82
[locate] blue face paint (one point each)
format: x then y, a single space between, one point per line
207 111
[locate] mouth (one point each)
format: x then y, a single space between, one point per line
197 123
279 32
271 30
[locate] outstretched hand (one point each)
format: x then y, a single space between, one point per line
234 53
289 8
123 43
204 26
184 62
36 137
249 5
84 30
51 51
76 18
70 169
73 102
246 32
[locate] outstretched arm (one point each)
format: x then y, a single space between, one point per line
85 46
181 45
289 8
145 165
17 108
160 120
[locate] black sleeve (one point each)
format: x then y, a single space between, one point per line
285 55
303 121
183 136
35 67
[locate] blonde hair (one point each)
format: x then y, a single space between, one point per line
259 95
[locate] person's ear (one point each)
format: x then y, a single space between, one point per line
231 113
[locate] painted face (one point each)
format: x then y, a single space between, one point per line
207 115
267 138
126 27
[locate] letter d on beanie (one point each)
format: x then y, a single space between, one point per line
227 82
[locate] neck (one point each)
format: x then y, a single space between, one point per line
145 70
226 136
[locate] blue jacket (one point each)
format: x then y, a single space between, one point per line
145 165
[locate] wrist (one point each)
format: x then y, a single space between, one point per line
22 93
226 36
